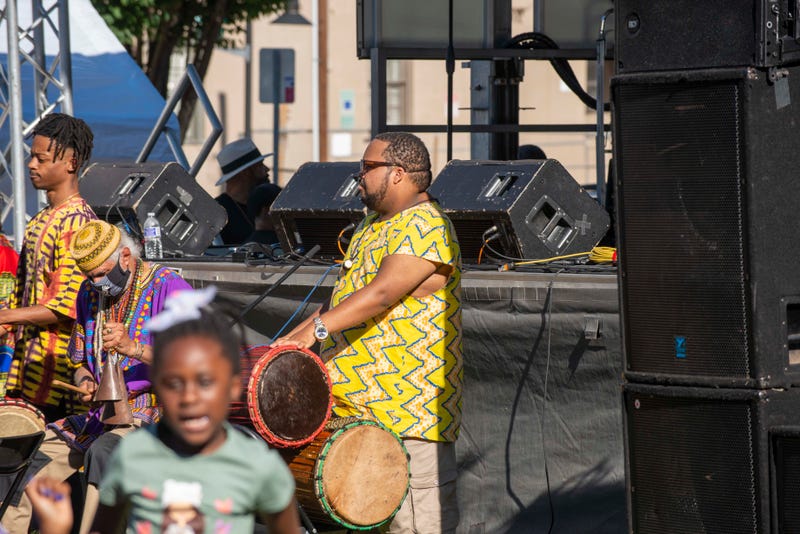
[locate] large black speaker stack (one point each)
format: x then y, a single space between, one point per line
125 192
706 110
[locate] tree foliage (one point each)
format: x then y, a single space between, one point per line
153 30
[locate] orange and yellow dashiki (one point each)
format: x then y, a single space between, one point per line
403 367
47 276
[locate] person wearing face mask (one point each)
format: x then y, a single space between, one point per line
134 291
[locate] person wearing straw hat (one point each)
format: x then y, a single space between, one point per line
136 291
242 172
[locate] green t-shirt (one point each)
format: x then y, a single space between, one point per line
214 493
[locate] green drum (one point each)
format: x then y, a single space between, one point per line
354 474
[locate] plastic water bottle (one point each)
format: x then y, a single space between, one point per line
152 237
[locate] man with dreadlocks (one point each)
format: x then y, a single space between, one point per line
42 308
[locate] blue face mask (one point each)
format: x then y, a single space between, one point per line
113 282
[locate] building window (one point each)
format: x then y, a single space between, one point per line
396 92
591 83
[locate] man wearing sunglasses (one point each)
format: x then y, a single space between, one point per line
391 335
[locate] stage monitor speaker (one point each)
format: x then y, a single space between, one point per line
318 204
707 190
687 34
124 192
534 207
703 459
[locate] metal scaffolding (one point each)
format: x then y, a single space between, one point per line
52 88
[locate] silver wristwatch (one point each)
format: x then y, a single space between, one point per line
320 331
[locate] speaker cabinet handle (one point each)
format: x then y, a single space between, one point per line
131 184
498 185
551 224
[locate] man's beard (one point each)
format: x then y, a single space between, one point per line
372 200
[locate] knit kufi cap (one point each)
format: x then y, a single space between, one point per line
94 243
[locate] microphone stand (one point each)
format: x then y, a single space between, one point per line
308 255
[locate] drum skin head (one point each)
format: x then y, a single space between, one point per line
294 396
19 419
365 474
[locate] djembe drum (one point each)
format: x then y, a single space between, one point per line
353 475
287 395
21 432
18 418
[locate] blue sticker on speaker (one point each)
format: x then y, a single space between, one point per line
680 347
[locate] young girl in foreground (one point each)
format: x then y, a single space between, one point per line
192 472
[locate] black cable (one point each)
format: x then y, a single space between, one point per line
132 229
536 40
544 402
479 267
298 256
271 288
555 266
307 524
269 254
503 256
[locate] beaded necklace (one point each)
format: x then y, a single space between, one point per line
120 311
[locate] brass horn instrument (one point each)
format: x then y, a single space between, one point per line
111 390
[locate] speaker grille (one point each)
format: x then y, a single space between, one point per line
787 469
681 228
324 232
692 466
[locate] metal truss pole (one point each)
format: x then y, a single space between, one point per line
52 88
15 112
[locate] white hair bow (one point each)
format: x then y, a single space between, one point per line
181 306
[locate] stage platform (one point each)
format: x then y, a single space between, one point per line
542 399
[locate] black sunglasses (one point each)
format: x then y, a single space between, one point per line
368 165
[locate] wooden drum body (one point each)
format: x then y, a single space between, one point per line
287 397
18 418
354 474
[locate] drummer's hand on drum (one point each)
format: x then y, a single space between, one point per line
303 338
115 337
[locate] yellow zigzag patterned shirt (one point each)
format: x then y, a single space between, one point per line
403 367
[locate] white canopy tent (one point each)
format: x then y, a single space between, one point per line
107 88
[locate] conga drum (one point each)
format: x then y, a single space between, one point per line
287 395
18 418
354 474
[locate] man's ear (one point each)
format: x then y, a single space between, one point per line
72 164
125 258
397 174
